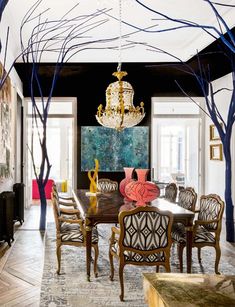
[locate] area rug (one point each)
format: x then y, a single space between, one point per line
71 288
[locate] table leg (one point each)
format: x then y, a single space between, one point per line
88 251
189 243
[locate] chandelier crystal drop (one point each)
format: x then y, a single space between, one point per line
120 112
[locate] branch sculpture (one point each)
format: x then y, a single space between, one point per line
65 37
227 45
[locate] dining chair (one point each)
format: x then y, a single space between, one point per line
71 232
144 238
106 185
187 199
64 201
171 192
206 229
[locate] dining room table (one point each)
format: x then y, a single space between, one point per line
104 208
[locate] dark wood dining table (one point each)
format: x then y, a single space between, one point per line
105 207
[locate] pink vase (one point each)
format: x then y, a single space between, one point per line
128 178
142 191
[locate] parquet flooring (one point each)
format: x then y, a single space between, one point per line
21 265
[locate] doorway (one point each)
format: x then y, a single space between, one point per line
176 155
177 139
61 146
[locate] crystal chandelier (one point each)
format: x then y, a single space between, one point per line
120 112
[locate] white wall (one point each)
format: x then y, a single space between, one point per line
6 183
215 170
11 55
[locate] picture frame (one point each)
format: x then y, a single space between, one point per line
216 152
214 135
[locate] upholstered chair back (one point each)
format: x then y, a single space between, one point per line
211 209
187 198
171 192
145 229
106 185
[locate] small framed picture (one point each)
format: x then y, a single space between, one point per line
216 152
214 135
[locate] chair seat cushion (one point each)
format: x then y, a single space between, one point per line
178 233
72 232
136 257
69 216
202 234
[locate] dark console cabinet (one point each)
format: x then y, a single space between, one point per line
18 189
7 216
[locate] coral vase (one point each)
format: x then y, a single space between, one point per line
142 191
128 178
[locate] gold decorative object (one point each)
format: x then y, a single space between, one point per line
94 178
120 112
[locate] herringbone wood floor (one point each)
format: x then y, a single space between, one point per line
21 265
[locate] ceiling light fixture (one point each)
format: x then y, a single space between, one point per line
120 112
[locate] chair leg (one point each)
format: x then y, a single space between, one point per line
95 246
199 254
180 256
168 267
157 268
217 259
121 267
111 266
58 254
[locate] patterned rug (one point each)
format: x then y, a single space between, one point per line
71 288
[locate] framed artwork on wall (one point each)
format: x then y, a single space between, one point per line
214 135
6 127
114 149
216 152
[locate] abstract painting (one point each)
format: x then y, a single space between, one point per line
114 149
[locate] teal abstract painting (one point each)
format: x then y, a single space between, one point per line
114 149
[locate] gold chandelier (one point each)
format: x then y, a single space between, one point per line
120 112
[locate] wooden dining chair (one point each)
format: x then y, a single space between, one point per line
207 228
64 201
71 232
144 238
187 198
171 192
